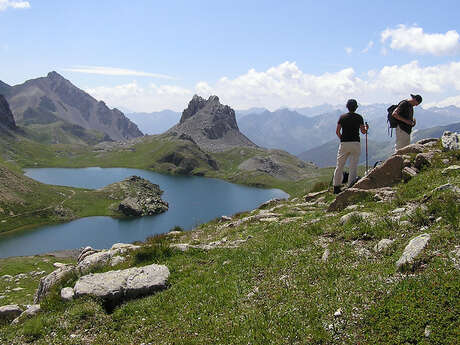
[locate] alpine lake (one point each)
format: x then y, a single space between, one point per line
192 201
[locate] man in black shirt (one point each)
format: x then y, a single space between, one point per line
404 113
348 128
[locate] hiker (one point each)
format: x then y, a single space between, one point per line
347 130
404 114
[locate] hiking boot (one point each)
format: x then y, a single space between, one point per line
337 189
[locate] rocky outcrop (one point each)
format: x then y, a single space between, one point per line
53 98
6 116
9 312
140 197
450 141
211 125
115 286
352 195
412 251
51 280
31 311
385 175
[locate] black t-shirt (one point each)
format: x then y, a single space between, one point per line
406 110
350 123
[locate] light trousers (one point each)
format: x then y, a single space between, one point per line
402 139
347 149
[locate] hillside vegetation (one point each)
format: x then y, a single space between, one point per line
288 273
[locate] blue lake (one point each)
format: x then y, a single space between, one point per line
192 201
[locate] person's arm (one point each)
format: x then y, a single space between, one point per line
402 119
364 128
337 131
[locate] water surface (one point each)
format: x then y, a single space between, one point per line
192 201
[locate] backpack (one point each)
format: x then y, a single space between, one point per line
392 122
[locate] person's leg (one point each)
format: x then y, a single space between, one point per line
402 139
354 159
342 156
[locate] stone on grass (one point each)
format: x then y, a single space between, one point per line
115 286
450 141
412 148
427 141
408 173
311 196
55 277
117 259
385 175
346 218
67 294
9 312
31 311
423 159
326 254
94 260
412 251
347 197
447 186
451 169
383 245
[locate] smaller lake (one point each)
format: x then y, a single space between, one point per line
192 201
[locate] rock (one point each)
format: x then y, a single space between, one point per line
271 202
7 277
427 331
412 251
17 289
117 260
423 159
121 248
9 312
326 254
225 218
67 294
346 218
427 141
384 175
58 264
175 233
383 245
450 141
55 277
338 313
269 220
21 276
94 260
6 116
183 247
115 286
408 173
290 220
86 252
363 252
31 311
450 169
412 148
447 186
312 196
347 197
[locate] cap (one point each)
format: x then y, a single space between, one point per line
418 98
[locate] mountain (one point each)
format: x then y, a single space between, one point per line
296 133
6 116
155 122
211 125
317 110
242 113
4 88
53 100
288 130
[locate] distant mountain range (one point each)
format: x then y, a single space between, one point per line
288 130
155 122
53 109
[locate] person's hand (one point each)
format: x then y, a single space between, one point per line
413 122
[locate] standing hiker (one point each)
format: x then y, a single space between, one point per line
347 130
404 114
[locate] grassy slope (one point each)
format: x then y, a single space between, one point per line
275 289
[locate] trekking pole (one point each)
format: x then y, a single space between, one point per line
367 162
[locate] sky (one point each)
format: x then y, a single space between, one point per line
148 55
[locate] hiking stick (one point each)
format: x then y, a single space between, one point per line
367 162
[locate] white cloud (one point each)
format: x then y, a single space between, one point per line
348 50
5 4
368 47
454 100
143 98
414 40
114 71
287 85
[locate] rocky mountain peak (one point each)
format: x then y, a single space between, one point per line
6 116
211 125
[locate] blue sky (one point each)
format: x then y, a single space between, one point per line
151 55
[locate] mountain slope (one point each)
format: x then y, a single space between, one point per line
211 125
51 99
